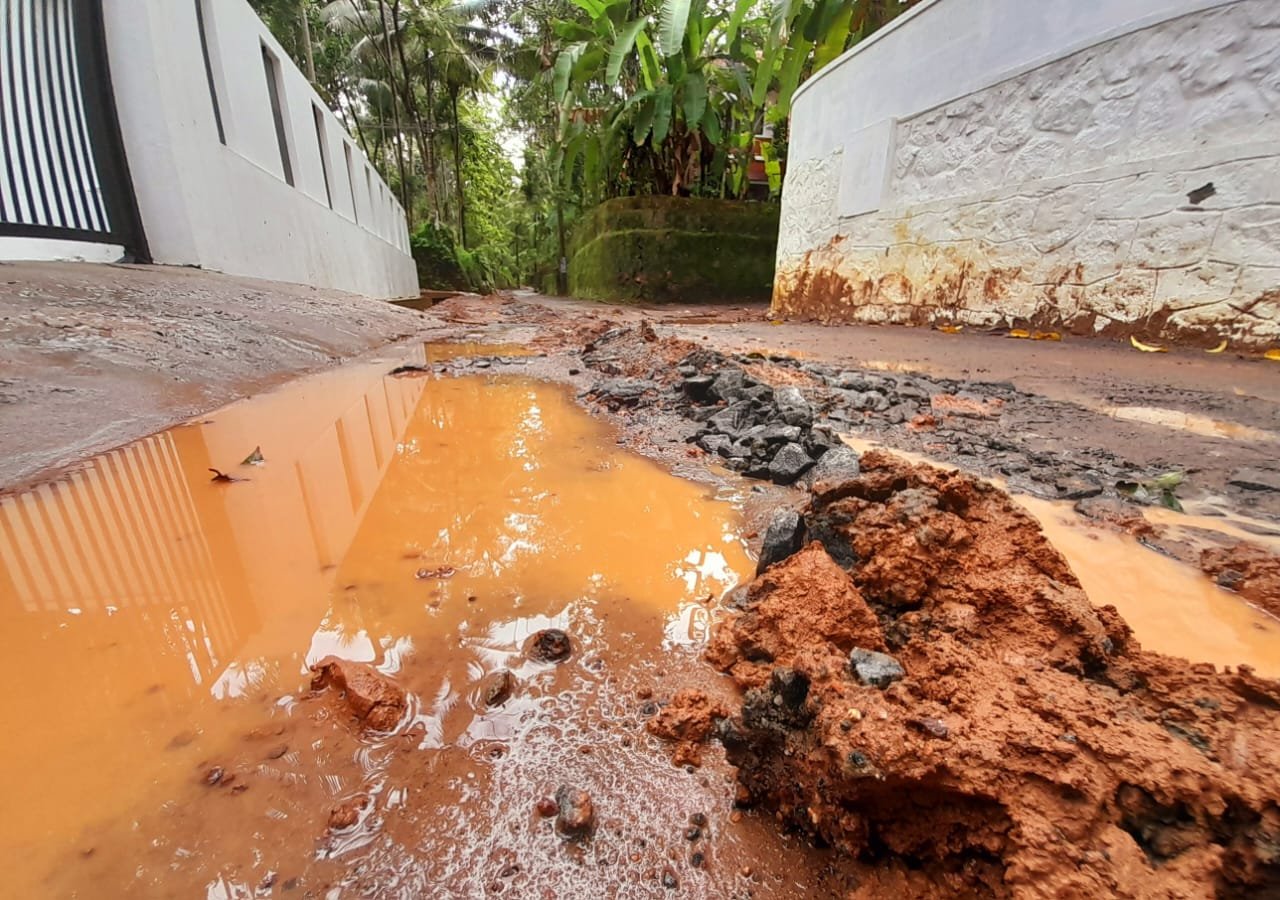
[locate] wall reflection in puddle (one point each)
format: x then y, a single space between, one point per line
138 598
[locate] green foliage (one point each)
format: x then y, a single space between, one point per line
436 257
609 97
691 87
660 249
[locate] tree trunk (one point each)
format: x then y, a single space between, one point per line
457 168
562 264
411 104
433 181
309 56
406 198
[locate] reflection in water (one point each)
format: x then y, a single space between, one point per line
156 617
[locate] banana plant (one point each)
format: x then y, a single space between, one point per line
688 92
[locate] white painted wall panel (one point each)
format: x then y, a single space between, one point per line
227 207
1044 164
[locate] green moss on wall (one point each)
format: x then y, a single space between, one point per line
665 249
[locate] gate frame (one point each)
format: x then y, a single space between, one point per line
106 143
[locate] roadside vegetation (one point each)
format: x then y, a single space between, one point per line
500 123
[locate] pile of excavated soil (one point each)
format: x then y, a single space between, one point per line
928 688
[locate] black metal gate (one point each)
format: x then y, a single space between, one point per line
64 173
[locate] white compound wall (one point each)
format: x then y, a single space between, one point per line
1097 166
224 203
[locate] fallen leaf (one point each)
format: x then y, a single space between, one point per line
951 329
1218 349
1168 481
221 477
1145 348
1272 354
442 572
1019 333
254 459
775 321
1046 336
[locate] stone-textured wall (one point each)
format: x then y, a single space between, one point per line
674 249
1073 195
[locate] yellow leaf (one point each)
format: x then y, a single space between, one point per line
775 321
1218 349
1273 354
951 329
1019 333
1145 348
1046 336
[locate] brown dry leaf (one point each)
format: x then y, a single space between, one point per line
1019 333
951 329
1046 336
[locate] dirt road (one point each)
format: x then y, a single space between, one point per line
440 505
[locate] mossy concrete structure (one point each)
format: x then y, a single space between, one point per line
674 249
1095 167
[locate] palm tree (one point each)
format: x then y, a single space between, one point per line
413 46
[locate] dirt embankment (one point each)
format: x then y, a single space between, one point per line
928 688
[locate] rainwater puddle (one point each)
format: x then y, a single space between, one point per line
463 349
1185 421
158 625
1172 608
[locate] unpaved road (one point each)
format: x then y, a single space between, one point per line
1110 765
98 355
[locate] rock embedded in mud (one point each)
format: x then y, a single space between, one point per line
793 407
576 814
496 687
1254 479
546 807
347 813
550 645
697 388
688 720
788 464
876 669
373 698
783 538
836 466
1248 569
805 600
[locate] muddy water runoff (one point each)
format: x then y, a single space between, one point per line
159 626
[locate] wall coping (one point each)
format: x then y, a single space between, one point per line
999 75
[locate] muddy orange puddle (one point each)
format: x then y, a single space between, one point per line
157 624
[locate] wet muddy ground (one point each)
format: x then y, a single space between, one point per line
430 523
